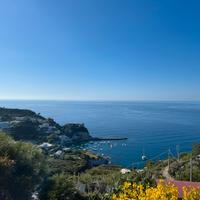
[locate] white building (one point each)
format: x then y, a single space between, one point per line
124 171
45 145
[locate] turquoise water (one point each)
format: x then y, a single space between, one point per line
152 127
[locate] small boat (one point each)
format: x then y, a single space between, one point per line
143 156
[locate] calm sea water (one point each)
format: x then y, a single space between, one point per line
152 127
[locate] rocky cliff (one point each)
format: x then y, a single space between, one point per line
28 125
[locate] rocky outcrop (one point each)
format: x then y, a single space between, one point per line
77 132
29 126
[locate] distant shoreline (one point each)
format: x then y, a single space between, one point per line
110 101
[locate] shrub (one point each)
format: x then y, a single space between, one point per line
141 192
191 193
21 168
163 191
60 187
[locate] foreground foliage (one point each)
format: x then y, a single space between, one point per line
21 168
191 193
140 192
180 170
25 169
60 187
163 191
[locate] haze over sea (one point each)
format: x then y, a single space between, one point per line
152 127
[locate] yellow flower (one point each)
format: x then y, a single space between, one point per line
163 191
191 193
135 191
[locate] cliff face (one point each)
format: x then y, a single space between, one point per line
77 132
27 125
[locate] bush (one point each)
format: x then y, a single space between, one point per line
144 192
164 191
191 193
21 168
60 187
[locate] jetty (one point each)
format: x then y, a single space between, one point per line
109 139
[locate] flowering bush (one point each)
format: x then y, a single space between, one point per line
163 191
191 193
135 191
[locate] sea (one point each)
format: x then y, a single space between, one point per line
155 129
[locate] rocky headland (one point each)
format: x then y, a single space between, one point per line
30 126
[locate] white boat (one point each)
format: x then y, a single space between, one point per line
144 157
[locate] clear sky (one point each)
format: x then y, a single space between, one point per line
100 49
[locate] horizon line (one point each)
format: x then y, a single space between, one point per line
104 100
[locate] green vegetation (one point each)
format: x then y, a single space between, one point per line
8 114
60 187
180 170
25 169
78 132
21 168
70 162
196 149
101 181
27 130
70 174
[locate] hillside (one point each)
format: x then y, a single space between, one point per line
30 126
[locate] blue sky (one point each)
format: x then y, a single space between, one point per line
100 49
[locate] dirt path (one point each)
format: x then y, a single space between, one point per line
166 174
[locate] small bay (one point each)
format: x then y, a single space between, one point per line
151 127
